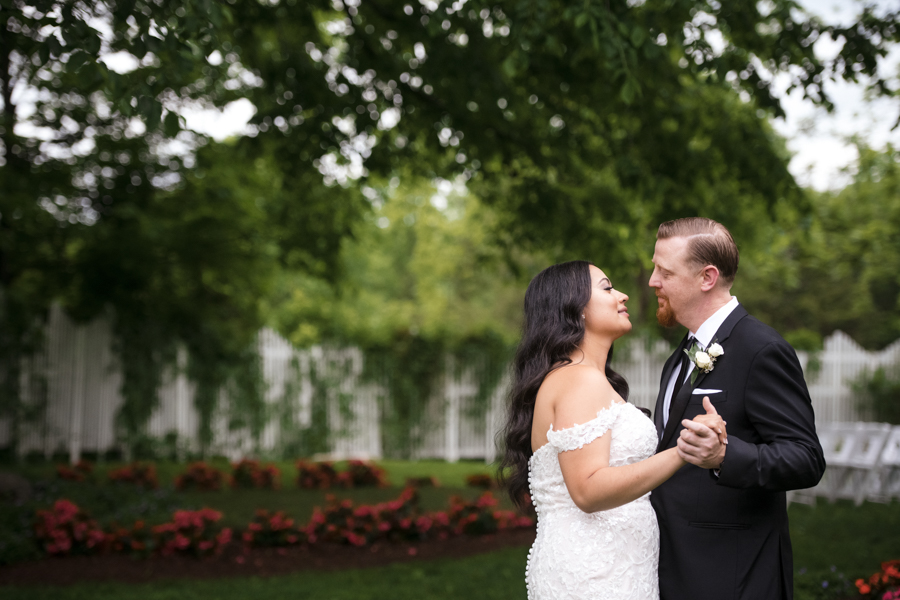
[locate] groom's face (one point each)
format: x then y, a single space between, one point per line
674 278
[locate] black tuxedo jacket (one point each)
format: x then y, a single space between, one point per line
726 537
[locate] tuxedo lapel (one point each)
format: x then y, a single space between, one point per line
676 411
679 404
664 383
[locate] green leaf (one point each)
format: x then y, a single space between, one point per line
638 35
629 90
77 60
54 45
171 124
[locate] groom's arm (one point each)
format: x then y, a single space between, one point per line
777 403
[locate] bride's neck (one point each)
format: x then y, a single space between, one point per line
593 352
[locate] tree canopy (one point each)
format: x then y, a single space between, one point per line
579 126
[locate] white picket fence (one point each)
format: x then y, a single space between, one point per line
83 380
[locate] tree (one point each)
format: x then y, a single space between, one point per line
584 125
838 267
64 133
97 210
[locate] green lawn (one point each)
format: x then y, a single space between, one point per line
497 576
398 471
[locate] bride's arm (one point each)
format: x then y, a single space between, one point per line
592 483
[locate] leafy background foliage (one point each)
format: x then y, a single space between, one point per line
562 130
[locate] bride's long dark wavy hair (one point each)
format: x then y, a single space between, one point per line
553 329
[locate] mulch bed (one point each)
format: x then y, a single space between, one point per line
263 562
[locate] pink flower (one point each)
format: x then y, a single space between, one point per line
224 536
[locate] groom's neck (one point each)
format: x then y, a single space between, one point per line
705 307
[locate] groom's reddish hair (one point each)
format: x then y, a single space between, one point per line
709 243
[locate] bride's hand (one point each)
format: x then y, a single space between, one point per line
713 420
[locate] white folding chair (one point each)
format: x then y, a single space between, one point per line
889 467
864 479
837 441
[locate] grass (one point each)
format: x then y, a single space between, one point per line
451 475
835 544
496 576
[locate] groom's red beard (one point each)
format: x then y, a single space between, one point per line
664 313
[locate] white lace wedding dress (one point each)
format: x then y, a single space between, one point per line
606 555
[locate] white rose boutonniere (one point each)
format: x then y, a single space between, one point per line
704 359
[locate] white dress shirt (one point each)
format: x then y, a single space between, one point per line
704 336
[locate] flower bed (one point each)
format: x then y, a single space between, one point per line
81 471
315 475
883 585
137 473
323 475
480 480
192 533
272 530
199 476
250 474
401 519
361 473
66 529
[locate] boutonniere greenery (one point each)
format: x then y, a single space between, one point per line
704 359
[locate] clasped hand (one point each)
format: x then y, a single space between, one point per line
702 441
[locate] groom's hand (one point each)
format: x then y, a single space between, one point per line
700 445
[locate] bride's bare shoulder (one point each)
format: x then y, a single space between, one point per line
576 383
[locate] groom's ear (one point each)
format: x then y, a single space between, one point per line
709 277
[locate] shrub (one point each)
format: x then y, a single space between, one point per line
362 474
138 473
480 517
200 476
878 393
420 482
192 532
66 529
339 522
272 530
400 519
884 584
249 474
138 541
315 475
81 471
480 480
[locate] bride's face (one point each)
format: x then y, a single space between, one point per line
605 313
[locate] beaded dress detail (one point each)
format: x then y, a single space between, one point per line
606 555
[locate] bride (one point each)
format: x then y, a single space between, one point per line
585 453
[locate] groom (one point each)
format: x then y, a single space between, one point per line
723 518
